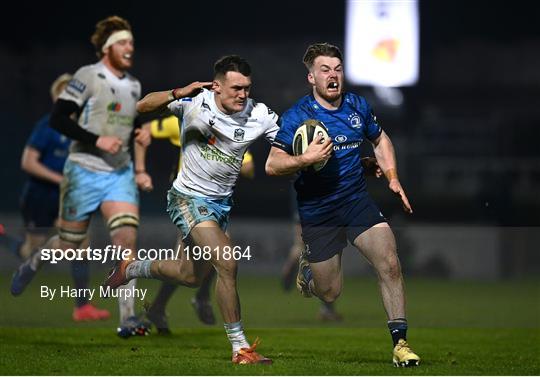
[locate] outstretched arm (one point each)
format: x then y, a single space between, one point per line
158 100
386 157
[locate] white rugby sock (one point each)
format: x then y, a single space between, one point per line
235 333
35 260
126 305
139 269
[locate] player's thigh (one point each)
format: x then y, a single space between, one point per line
203 220
110 209
39 209
327 275
81 192
121 188
192 267
323 238
378 245
210 235
187 211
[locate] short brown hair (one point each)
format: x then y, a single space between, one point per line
320 49
104 29
231 63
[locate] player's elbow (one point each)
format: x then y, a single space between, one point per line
272 166
27 161
145 105
25 165
270 169
142 106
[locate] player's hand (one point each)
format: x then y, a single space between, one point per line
318 151
110 144
371 167
143 137
395 186
192 89
144 181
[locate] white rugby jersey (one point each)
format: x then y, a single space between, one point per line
108 104
213 143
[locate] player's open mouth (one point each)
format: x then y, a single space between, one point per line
333 86
127 56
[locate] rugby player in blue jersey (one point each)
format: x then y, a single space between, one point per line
333 203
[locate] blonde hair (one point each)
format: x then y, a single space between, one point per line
64 78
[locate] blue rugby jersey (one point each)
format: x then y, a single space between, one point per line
342 179
53 148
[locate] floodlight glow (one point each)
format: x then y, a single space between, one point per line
382 42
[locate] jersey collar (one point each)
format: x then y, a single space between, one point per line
318 107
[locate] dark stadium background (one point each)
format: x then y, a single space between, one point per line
466 137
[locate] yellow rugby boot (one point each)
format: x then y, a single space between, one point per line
404 355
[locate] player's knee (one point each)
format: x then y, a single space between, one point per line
190 281
227 271
179 275
126 234
391 267
124 238
71 238
331 295
123 229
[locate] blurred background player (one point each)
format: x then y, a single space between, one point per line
43 160
169 128
98 173
333 203
327 311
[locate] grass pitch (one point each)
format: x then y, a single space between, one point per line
458 328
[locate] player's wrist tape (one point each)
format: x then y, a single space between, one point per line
139 171
391 174
172 94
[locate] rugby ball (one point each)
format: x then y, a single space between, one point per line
305 134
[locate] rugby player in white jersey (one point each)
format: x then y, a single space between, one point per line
99 173
217 128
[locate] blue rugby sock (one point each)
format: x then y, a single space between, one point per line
398 329
80 271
